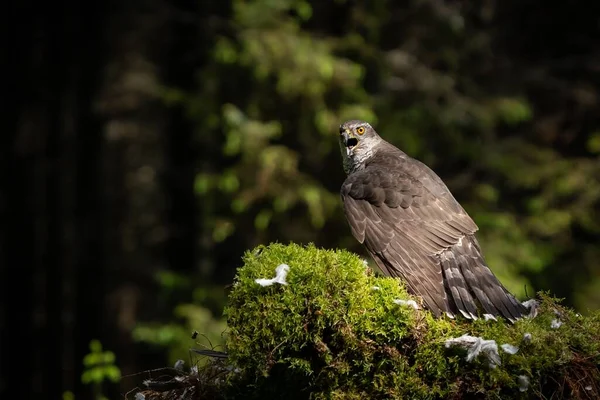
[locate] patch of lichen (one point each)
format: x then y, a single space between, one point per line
335 332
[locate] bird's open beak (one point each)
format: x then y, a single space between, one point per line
348 140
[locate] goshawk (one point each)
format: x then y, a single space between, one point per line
415 230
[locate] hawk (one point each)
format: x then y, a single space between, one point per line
415 230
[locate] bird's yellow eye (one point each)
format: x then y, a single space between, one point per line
360 130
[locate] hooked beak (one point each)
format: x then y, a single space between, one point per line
348 140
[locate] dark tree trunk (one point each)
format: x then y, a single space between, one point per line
51 233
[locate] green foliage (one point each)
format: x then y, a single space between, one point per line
99 367
195 309
286 68
176 335
68 395
334 332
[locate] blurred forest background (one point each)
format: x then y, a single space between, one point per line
149 143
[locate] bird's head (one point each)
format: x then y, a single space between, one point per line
357 142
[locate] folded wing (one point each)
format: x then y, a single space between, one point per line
416 230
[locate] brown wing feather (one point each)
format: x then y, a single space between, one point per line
414 229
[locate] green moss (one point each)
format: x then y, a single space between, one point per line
330 334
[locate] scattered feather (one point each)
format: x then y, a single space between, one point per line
280 274
529 303
588 387
375 288
523 381
140 396
557 313
509 348
527 337
532 305
366 263
556 323
488 317
476 345
179 365
408 303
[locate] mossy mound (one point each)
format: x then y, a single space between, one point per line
334 331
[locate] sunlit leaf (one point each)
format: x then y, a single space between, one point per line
261 222
513 111
593 143
95 346
202 183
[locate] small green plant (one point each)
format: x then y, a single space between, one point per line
196 309
68 395
99 367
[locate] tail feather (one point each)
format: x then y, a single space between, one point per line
491 295
459 290
486 303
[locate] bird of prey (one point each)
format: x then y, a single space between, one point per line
415 230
